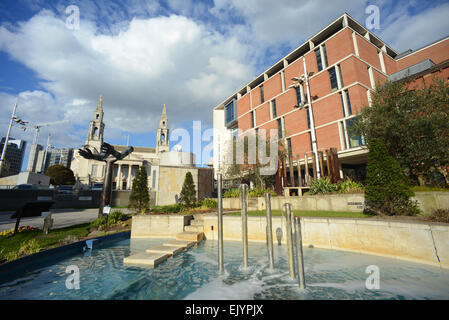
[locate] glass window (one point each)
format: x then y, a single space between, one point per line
230 113
94 170
273 107
280 129
333 78
262 98
253 120
349 102
318 59
298 96
308 118
354 139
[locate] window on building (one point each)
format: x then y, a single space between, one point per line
231 112
355 140
262 97
280 128
333 79
253 119
348 102
273 109
318 59
310 138
308 118
299 96
289 144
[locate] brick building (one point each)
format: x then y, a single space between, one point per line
344 63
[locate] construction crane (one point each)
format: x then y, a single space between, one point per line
38 126
31 161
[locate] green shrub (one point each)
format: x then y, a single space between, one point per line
99 222
232 193
208 203
117 216
349 186
387 189
259 192
440 215
188 192
172 208
139 198
322 185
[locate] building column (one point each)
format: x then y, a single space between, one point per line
119 177
128 184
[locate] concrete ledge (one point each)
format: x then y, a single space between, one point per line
355 202
418 242
158 226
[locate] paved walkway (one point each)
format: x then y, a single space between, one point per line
61 218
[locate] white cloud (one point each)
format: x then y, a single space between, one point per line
150 62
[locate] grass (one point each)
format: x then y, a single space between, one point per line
327 214
11 246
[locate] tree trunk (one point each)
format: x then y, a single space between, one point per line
421 180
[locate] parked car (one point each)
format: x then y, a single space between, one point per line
65 189
23 187
97 186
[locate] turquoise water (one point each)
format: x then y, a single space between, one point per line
194 275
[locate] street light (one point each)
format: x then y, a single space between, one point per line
300 80
14 118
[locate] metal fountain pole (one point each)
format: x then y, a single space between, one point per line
269 230
244 226
288 226
220 224
299 254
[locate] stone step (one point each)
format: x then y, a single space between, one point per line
190 235
196 222
170 250
198 217
194 228
184 244
149 259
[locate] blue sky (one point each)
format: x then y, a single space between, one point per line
139 55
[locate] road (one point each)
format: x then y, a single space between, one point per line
61 218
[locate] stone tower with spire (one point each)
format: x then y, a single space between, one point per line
96 128
162 144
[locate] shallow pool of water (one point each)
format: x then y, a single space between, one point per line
194 275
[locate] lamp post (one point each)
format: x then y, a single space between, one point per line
305 79
5 146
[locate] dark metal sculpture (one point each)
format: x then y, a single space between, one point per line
109 155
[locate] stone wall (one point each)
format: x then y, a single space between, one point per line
158 226
428 201
418 242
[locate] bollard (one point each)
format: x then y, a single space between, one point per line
299 254
269 230
288 226
220 224
244 225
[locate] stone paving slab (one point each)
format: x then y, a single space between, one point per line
190 235
170 250
180 243
149 259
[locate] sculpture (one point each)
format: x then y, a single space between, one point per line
109 155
